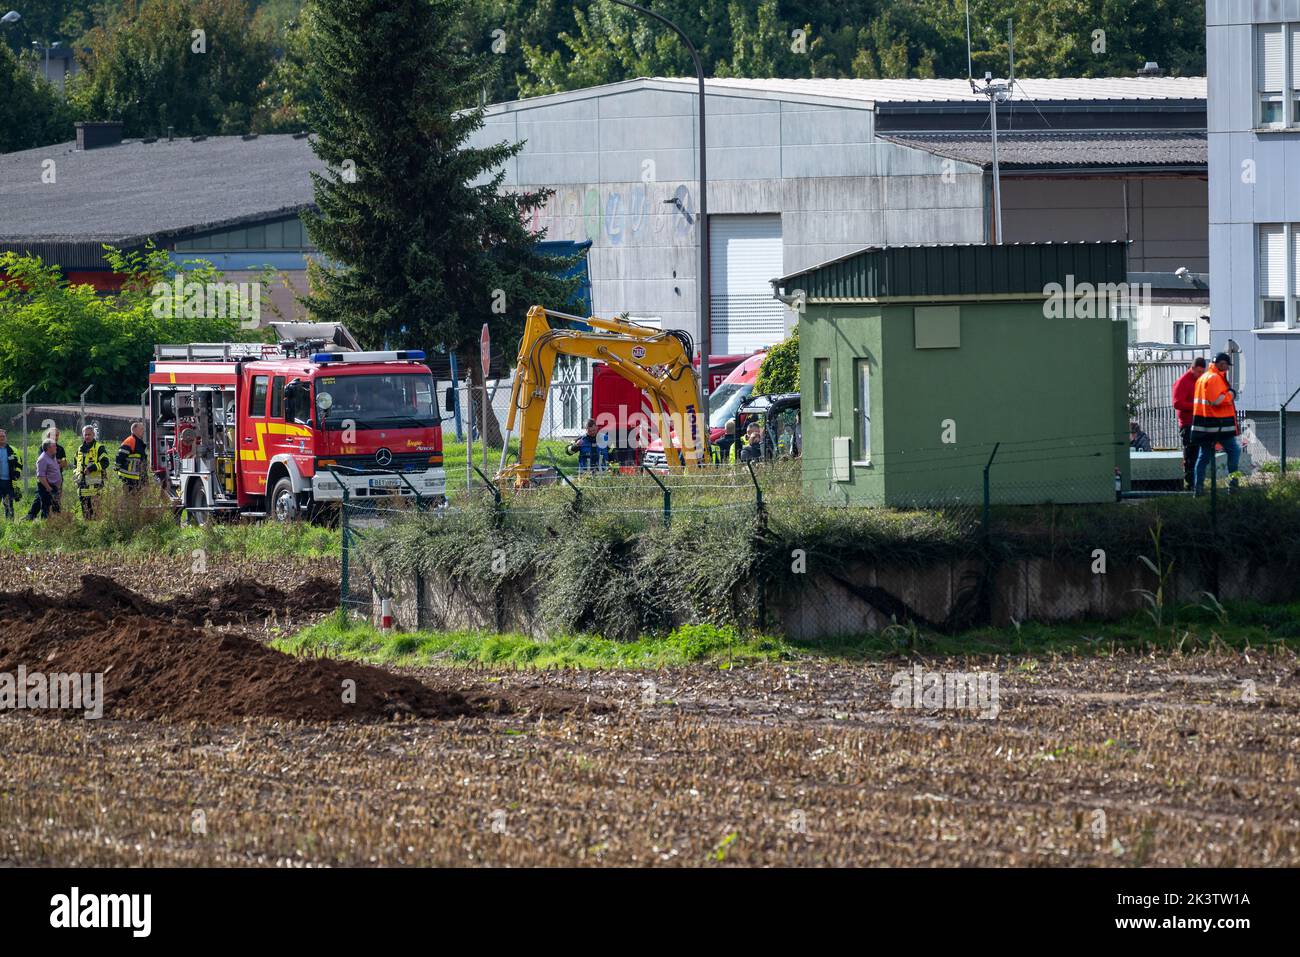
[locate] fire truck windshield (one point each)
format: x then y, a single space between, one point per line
369 401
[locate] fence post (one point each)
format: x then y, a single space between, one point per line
27 466
343 523
577 492
760 580
668 497
85 393
496 492
1281 427
988 465
455 396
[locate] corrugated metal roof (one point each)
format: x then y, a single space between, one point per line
122 194
1056 89
975 269
1072 148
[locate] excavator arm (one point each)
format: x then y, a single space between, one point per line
657 362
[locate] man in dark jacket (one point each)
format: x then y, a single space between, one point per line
1184 391
11 470
591 448
130 459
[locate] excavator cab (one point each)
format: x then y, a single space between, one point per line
655 361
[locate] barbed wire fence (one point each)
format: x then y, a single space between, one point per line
966 547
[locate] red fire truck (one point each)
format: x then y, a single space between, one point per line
258 429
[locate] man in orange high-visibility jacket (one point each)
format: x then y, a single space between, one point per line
1214 419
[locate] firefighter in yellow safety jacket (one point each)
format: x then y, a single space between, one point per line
90 468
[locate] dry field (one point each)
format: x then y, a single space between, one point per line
1090 762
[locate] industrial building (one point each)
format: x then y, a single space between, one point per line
802 171
922 365
1253 59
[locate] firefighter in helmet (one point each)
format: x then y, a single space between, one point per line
91 465
130 458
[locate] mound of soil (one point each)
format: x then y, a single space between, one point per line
156 665
238 602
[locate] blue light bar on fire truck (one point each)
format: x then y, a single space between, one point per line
404 355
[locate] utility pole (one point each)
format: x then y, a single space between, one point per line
998 91
706 324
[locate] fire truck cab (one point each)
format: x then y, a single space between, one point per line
257 429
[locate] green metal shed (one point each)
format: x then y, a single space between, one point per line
917 362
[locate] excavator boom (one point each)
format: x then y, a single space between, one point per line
657 362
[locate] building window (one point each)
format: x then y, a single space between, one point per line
863 380
1277 74
822 381
1279 274
1185 333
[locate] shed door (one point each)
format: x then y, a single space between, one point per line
744 256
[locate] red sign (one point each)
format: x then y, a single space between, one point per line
485 350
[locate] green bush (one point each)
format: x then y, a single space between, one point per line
780 369
61 338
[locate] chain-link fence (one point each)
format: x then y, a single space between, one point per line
26 425
751 547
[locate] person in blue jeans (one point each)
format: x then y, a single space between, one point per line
592 449
1214 420
11 470
49 481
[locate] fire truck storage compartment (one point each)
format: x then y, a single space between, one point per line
195 433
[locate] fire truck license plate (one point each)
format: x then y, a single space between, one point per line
385 483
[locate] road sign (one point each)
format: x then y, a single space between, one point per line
485 350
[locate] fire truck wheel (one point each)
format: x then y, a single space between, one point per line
284 501
196 497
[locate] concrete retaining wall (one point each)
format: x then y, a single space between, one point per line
866 598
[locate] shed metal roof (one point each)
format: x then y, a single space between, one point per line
957 270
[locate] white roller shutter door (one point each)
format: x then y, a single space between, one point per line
745 254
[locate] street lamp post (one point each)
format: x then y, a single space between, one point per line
47 48
706 330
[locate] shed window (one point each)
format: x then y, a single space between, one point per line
822 380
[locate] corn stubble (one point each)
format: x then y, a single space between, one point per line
1120 761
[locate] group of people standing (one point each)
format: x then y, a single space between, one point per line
1207 417
90 466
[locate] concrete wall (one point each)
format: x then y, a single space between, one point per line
1050 390
1270 365
855 602
1164 219
615 154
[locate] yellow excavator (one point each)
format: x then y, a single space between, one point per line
655 361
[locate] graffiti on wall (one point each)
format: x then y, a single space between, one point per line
615 215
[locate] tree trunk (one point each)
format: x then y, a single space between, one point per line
476 404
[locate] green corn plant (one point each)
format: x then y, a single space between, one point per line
1157 600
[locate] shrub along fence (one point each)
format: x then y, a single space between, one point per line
548 562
